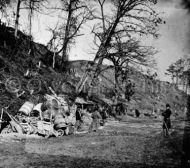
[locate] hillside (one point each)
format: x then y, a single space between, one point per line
16 59
18 62
149 94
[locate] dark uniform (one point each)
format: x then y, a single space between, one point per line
166 121
79 121
103 115
95 121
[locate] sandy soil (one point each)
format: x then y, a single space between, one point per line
131 143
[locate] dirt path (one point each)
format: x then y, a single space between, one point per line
135 143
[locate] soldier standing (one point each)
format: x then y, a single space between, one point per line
166 121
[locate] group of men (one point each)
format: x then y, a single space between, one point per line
98 116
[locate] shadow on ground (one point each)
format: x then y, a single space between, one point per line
133 145
185 161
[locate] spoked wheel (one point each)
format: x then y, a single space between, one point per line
34 85
60 132
13 84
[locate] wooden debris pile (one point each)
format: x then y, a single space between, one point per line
52 117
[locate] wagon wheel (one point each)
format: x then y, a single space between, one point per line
34 85
13 84
60 132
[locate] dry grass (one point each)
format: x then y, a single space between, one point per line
126 144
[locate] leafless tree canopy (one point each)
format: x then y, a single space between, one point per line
117 33
77 14
118 28
3 3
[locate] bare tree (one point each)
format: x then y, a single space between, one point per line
30 5
17 17
130 19
171 72
127 54
116 32
77 14
176 70
54 43
3 4
33 6
179 68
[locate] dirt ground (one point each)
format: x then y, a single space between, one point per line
133 143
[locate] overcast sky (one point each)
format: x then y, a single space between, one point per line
172 44
174 40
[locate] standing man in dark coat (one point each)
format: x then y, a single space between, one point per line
95 120
104 115
166 121
78 119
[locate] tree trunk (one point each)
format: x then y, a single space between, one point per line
64 53
177 79
172 79
17 18
102 51
116 81
30 18
30 26
66 36
184 82
186 86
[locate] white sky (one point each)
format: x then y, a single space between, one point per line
174 38
171 45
